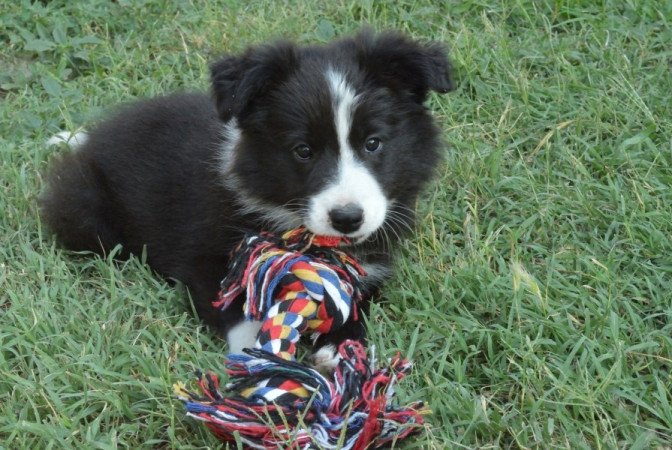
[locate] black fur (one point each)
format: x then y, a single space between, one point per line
151 176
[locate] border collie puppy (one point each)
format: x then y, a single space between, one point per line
333 137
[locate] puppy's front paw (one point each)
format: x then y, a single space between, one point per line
326 359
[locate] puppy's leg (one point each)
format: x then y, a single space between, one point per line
243 335
203 286
325 357
76 206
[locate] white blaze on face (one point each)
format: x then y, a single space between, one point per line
354 183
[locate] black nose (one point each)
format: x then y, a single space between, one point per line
346 219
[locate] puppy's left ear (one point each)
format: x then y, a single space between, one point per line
401 63
239 81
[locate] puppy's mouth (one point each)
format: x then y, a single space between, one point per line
359 239
353 238
348 238
281 219
287 217
351 222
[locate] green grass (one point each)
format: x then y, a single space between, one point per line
535 298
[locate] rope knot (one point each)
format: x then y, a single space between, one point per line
296 283
300 283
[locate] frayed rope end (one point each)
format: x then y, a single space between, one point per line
354 409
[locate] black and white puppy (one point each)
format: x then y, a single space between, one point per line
332 137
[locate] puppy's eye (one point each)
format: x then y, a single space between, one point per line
373 145
302 152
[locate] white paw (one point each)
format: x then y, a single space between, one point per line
326 359
243 335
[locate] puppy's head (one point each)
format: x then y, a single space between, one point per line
333 137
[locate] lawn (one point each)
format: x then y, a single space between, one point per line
535 296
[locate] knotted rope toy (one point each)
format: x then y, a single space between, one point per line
300 283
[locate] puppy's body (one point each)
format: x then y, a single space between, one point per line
148 178
335 138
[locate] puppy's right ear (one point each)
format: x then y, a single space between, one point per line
239 81
403 64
